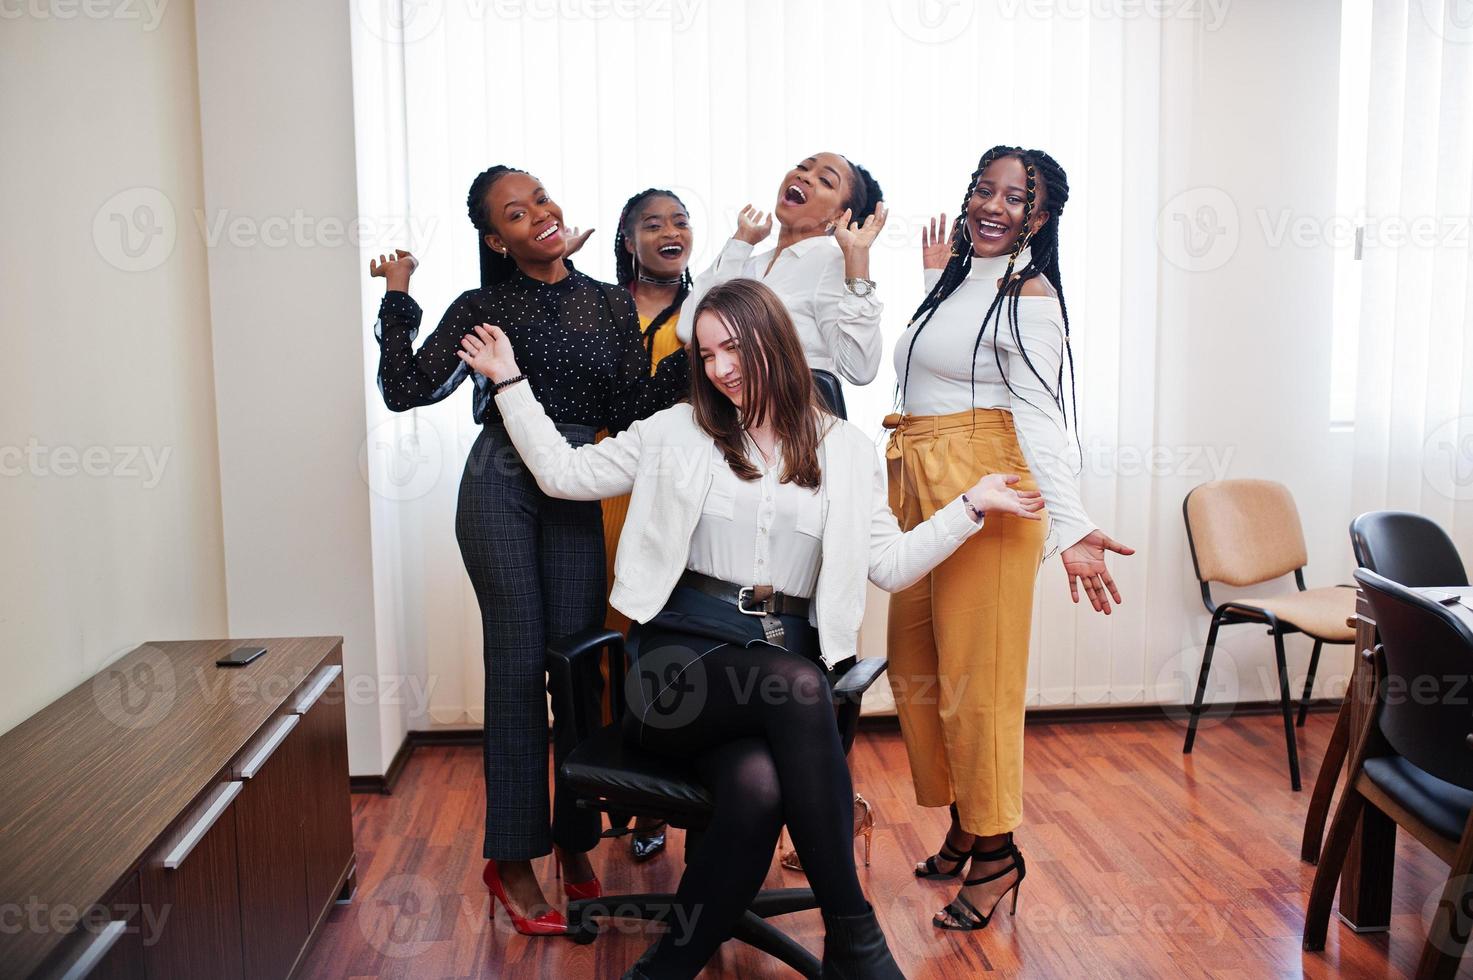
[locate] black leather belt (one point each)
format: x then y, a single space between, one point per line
752 600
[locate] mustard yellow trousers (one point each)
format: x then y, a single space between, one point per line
958 639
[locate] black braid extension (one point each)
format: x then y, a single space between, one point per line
626 273
1044 261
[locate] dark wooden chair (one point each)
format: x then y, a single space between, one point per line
1410 550
1413 761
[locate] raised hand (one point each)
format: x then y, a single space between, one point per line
852 236
573 240
994 494
1084 563
394 269
488 352
936 243
753 226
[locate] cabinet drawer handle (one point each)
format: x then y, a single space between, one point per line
202 826
318 689
258 760
96 949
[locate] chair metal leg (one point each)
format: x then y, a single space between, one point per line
1314 663
1288 710
762 935
1201 684
1324 785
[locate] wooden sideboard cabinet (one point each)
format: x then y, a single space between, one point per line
171 818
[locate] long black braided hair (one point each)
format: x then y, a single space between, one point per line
626 266
495 267
1044 261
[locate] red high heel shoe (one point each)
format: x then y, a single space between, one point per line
549 923
583 889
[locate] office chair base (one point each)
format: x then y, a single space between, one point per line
752 929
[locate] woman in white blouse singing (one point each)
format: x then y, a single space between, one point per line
981 370
829 212
755 518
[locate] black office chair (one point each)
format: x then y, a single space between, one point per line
604 773
830 391
1408 549
1413 760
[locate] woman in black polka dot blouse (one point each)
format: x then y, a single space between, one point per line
537 563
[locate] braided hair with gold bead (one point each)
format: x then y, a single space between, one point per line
1043 173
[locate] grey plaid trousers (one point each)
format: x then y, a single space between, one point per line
537 565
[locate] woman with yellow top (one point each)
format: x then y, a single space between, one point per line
651 252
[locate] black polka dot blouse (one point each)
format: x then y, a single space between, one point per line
577 340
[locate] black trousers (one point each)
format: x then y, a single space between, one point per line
537 565
757 723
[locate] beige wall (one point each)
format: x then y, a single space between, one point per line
120 543
281 200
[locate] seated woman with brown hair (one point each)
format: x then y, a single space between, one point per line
755 518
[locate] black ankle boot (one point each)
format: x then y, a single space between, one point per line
854 948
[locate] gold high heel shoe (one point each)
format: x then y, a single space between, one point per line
864 825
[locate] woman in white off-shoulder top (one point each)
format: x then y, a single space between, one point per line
982 370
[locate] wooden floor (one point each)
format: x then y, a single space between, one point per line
1142 862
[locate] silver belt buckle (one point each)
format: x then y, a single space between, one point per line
742 594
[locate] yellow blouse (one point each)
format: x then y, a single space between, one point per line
666 343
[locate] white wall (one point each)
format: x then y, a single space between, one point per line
122 542
277 110
1249 130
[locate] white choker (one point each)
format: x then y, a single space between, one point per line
995 266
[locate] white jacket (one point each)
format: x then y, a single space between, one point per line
665 460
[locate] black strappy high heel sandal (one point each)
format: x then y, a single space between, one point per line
931 867
962 915
646 842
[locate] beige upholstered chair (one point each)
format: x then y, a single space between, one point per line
1244 533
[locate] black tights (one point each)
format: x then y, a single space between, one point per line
764 741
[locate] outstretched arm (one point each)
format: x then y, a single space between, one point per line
899 559
593 472
752 227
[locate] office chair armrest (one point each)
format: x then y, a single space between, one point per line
852 684
573 679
